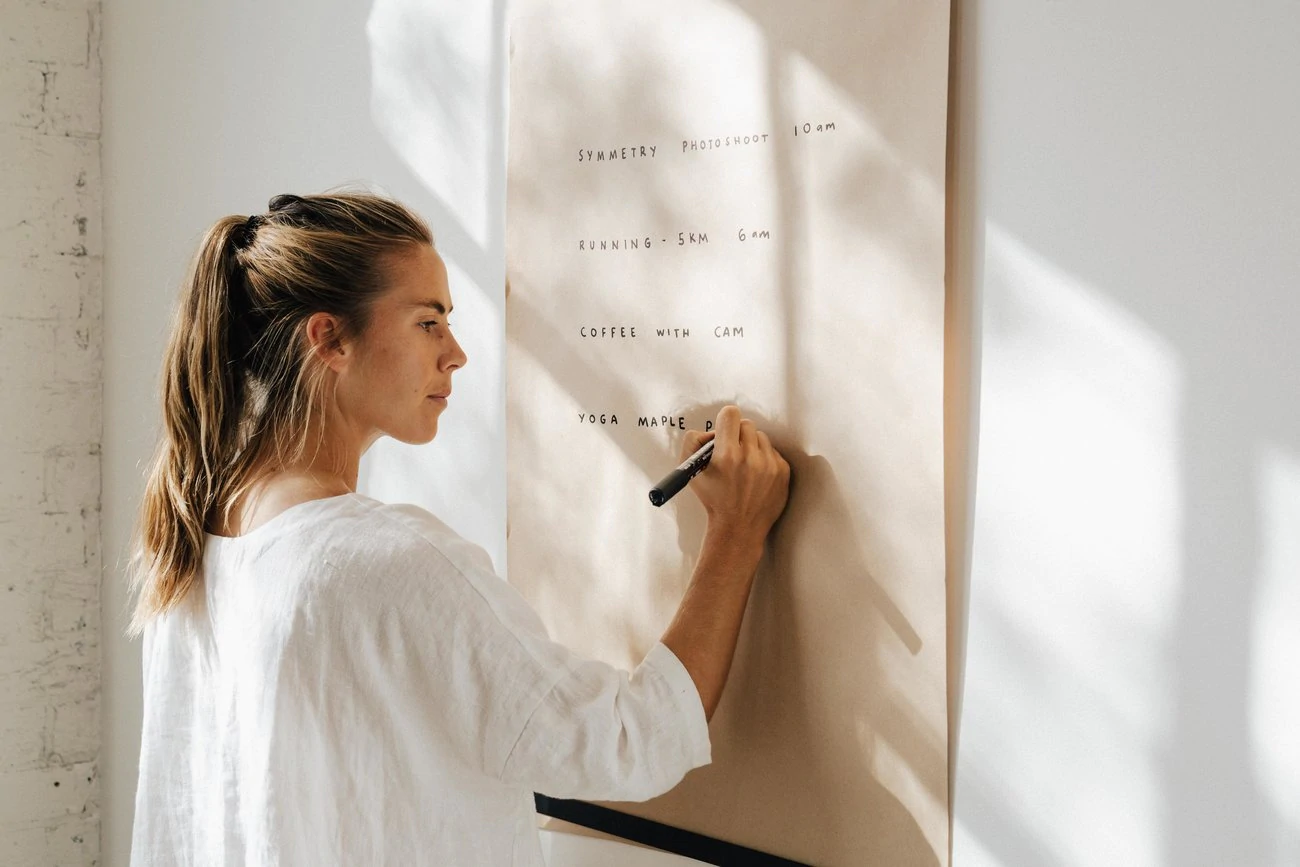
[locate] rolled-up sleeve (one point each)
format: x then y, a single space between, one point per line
602 734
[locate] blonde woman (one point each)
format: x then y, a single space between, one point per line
329 679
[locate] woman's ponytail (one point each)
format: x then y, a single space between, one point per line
202 399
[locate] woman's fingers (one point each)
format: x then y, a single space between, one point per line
692 441
728 431
748 435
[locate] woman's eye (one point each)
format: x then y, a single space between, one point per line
425 325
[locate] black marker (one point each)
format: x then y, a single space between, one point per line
677 479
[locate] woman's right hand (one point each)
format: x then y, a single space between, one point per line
745 487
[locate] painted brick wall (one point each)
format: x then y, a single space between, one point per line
50 431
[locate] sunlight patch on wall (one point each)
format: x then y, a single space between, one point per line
1275 657
431 95
1073 588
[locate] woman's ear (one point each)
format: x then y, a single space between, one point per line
324 338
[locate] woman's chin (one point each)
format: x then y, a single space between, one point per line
417 437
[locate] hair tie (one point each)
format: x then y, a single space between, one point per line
246 233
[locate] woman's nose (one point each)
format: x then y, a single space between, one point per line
456 357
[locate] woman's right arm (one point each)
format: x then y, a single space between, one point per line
600 733
453 653
744 489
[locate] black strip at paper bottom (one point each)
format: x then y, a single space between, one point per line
660 836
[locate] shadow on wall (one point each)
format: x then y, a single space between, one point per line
766 691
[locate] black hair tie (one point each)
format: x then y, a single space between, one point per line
245 234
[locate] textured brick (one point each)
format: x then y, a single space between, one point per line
22 736
52 167
49 671
59 537
65 350
72 477
48 32
22 619
73 729
22 482
44 794
54 412
52 206
51 388
71 103
22 95
45 287
26 347
71 604
71 841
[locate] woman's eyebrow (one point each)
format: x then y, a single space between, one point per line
435 304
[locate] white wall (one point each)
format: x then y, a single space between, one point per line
50 317
1121 212
1128 212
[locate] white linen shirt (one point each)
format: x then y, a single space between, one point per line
353 684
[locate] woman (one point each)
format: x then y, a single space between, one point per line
329 679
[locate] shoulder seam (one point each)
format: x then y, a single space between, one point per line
420 536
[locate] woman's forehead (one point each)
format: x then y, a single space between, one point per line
420 281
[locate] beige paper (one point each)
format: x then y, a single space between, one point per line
708 204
